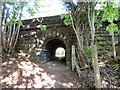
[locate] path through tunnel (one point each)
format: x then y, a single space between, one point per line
51 46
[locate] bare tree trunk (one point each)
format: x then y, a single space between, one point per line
18 30
113 45
75 62
0 42
96 66
119 45
77 67
10 36
4 28
76 27
73 57
79 46
118 54
91 14
9 33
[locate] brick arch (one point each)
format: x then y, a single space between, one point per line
48 36
32 40
49 39
46 39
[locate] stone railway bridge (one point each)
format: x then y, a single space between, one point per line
41 45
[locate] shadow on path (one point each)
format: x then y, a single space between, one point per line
64 77
22 73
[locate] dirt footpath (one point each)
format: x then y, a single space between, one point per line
63 76
22 73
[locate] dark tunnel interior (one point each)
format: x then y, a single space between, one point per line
51 47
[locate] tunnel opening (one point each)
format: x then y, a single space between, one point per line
60 52
56 50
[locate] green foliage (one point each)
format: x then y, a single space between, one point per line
60 52
98 37
20 23
43 27
31 11
110 14
34 8
119 31
115 67
97 13
99 25
87 51
113 78
15 13
112 28
67 19
9 23
36 4
39 22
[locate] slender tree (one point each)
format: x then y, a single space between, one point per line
11 25
11 22
91 18
74 19
0 38
110 15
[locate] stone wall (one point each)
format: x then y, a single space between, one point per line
32 40
38 46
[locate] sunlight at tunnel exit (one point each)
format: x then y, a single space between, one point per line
60 52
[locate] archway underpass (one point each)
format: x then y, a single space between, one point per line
52 55
56 65
42 46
